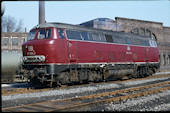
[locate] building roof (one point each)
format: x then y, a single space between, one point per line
119 18
71 26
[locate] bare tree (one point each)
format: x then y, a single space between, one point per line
19 27
9 24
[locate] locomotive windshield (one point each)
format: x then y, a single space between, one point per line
31 35
44 33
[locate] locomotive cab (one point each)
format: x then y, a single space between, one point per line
44 50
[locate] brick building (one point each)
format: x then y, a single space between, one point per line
154 30
11 42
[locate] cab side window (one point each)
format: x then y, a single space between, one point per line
61 33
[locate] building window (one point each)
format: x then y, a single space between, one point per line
144 32
14 41
5 41
23 40
148 33
160 59
15 50
164 58
135 31
168 59
153 37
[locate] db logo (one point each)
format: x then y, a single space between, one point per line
30 48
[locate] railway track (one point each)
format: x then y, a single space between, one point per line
40 89
84 103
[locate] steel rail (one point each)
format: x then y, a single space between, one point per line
33 90
74 103
115 99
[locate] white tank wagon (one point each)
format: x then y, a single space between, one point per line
10 65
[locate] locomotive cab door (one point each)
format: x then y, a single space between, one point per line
72 50
147 59
62 45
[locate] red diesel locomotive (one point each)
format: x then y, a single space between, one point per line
63 54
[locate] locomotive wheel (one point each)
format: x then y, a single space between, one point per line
101 77
129 76
34 81
51 84
63 79
94 76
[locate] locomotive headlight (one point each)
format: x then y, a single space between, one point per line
24 59
38 59
42 58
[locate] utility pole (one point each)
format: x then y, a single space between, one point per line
41 12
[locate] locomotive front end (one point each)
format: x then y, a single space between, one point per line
38 54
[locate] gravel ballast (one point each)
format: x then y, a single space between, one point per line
154 102
93 88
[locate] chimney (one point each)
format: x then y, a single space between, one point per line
41 12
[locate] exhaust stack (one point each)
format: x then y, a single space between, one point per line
41 12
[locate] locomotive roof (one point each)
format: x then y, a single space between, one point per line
87 29
69 26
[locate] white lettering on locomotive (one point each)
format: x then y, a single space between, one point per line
31 51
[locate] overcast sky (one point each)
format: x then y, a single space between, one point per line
76 12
